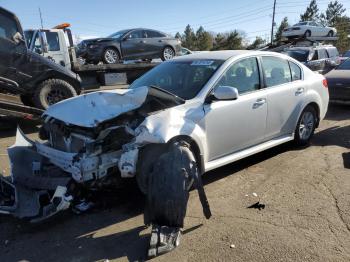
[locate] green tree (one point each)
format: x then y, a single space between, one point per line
334 11
204 39
258 42
234 41
284 24
189 38
342 24
219 42
311 13
178 35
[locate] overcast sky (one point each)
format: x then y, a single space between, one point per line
100 18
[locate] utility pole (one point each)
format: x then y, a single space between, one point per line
41 19
273 20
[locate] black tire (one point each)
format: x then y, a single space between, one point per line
168 186
52 91
307 33
300 138
112 58
166 53
27 100
330 33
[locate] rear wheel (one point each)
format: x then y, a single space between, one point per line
168 53
52 91
330 33
306 126
111 56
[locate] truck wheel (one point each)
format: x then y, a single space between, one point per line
27 99
52 91
168 53
168 186
111 56
306 126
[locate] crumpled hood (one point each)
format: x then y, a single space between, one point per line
89 110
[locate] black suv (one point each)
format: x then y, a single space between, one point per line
130 44
39 81
322 58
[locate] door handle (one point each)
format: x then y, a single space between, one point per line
299 91
259 102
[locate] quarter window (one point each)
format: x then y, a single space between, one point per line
276 71
243 75
295 70
8 27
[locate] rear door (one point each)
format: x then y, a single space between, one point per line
134 44
155 42
285 92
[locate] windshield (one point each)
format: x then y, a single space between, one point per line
344 66
28 34
300 55
118 34
182 78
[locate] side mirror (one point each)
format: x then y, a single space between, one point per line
224 93
18 38
43 42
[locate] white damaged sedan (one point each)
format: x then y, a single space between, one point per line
184 117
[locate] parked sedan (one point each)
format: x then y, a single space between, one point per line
307 29
130 44
339 82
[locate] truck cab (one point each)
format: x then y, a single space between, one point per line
56 44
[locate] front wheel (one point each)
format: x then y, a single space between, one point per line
111 56
306 126
168 53
52 91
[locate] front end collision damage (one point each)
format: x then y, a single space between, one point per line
86 140
89 141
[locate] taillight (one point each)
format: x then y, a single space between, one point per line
325 83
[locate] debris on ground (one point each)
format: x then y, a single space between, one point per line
257 205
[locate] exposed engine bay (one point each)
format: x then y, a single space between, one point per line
76 152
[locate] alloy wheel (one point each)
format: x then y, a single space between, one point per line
168 53
306 125
111 56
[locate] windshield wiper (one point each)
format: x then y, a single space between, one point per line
175 97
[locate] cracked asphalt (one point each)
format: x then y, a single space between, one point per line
306 193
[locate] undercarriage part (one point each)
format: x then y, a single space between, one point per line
163 240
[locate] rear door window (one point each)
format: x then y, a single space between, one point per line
154 34
276 71
8 27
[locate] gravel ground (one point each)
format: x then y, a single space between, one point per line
306 193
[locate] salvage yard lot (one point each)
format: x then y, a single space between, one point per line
306 217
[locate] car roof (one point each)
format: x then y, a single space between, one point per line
221 55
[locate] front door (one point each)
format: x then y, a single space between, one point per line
234 125
133 45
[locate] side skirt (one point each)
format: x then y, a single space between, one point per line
247 152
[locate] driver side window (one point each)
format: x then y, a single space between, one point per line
8 27
243 75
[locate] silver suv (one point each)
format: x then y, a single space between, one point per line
183 118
